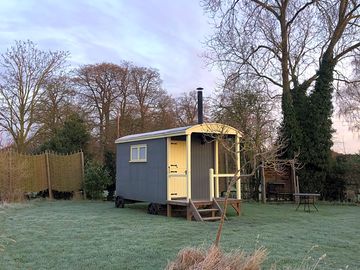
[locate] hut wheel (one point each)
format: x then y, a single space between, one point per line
154 208
119 202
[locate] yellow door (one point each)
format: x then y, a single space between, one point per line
177 169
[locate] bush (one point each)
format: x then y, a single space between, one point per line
97 178
110 165
334 188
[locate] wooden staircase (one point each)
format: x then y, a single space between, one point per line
204 210
201 210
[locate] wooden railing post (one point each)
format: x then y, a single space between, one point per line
238 181
216 168
188 167
263 183
211 179
48 174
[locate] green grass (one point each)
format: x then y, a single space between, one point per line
95 235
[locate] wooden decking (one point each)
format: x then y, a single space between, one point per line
202 210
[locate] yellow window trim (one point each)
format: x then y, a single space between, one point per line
137 147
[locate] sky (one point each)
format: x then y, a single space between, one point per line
166 35
163 34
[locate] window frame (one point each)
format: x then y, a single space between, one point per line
137 147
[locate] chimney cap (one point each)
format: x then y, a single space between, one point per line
199 89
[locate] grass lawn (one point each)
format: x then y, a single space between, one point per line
95 235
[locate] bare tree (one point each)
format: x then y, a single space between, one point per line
55 104
25 72
297 49
146 85
164 115
246 107
126 97
348 98
99 89
281 42
186 108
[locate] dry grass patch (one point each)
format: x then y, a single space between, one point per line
215 259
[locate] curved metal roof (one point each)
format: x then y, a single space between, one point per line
209 128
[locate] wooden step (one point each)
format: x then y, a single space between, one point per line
194 210
208 210
202 203
211 218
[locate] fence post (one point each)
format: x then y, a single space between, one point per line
10 175
82 171
48 174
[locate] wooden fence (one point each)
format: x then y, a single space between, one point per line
20 173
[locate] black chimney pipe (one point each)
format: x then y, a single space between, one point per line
200 105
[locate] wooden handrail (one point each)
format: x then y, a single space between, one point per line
224 175
212 176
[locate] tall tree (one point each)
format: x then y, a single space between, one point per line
246 107
146 84
98 89
25 70
186 108
55 104
293 46
126 97
348 98
164 115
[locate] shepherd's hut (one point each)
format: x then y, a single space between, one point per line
176 168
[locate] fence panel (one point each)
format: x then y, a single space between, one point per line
66 172
20 173
34 178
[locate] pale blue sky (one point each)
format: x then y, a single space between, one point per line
167 35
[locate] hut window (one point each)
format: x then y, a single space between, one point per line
138 153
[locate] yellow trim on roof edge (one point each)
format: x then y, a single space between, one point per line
213 128
210 128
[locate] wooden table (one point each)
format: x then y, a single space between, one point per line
306 199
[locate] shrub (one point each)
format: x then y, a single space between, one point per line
97 178
110 165
70 137
335 181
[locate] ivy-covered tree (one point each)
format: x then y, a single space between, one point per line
294 48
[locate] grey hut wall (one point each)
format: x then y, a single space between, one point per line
142 181
202 159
